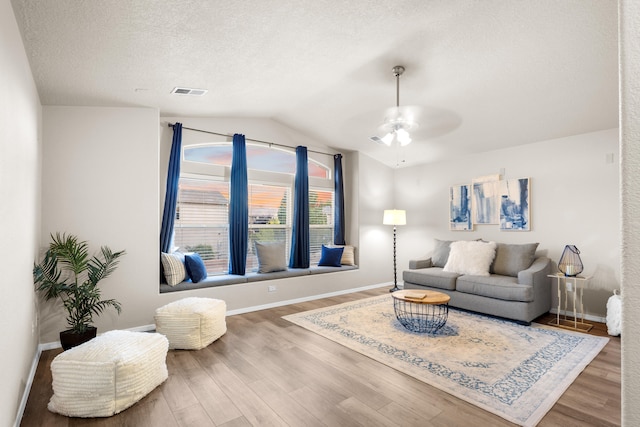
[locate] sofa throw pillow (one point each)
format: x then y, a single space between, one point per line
271 257
472 257
330 257
195 267
348 254
440 253
512 259
174 270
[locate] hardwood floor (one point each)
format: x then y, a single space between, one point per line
266 371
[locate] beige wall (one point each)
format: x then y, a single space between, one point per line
630 180
20 114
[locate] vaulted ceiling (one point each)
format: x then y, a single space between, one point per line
484 74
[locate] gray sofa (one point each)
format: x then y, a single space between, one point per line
516 287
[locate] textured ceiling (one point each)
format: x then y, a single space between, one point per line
486 74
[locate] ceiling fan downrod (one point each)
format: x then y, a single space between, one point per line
397 72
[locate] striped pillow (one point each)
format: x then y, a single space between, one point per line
174 271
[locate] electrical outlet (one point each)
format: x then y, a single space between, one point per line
569 286
271 288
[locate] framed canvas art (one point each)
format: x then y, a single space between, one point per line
486 200
514 205
460 208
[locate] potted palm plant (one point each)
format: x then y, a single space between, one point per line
69 273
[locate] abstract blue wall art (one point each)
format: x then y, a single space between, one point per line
486 202
514 205
460 208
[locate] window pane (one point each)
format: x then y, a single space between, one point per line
320 222
269 218
258 158
202 217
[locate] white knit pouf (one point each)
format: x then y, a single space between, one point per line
106 375
192 323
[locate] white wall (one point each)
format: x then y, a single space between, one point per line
20 114
574 200
630 180
103 174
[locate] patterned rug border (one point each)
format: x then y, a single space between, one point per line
508 390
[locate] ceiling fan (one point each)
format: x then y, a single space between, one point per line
399 120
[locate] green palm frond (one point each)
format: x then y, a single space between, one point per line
69 273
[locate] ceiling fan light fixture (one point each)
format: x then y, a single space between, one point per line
387 139
398 123
403 137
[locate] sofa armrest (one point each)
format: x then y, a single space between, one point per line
415 264
536 273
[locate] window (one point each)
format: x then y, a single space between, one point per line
203 202
202 221
268 159
320 221
269 218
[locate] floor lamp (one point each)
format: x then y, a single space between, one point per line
394 217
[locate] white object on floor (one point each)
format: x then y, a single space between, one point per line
192 323
108 374
614 314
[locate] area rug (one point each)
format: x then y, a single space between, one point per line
516 372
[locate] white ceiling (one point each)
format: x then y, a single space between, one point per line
487 74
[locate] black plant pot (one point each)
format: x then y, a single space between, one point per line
69 339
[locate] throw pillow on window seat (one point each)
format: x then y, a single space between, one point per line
330 257
195 267
174 269
348 255
271 256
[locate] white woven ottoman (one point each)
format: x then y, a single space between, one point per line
192 323
106 375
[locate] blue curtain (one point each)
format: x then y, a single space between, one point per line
238 208
171 195
299 257
338 214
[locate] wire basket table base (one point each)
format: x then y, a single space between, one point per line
423 318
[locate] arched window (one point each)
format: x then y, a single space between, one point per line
259 157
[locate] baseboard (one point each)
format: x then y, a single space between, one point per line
305 299
27 387
589 317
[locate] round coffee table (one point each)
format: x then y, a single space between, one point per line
421 311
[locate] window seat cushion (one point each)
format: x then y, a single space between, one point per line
209 282
318 269
232 279
282 274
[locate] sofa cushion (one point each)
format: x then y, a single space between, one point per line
440 253
434 277
512 259
495 286
471 257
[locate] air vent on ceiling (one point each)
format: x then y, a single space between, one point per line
188 91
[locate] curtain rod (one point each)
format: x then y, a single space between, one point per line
250 139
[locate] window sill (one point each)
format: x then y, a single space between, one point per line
231 279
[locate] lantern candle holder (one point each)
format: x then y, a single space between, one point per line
570 263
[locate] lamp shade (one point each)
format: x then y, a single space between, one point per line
394 217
